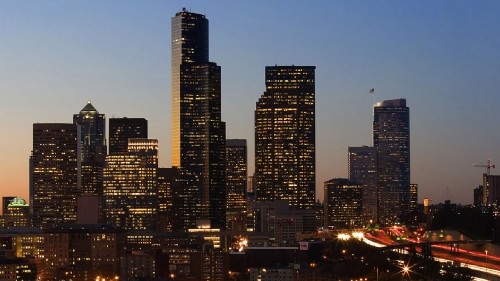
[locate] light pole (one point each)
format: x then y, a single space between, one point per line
486 251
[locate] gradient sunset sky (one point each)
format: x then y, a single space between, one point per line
442 56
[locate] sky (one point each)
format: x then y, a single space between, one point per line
442 56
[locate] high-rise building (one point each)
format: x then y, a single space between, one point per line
123 129
363 169
168 187
55 175
198 134
93 148
285 137
478 196
343 203
391 139
130 186
491 189
92 133
413 198
236 177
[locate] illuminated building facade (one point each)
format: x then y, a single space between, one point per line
198 134
93 148
491 189
343 203
363 169
413 198
123 129
285 137
391 139
55 175
82 252
17 214
236 177
168 186
130 186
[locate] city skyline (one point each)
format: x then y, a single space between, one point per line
57 55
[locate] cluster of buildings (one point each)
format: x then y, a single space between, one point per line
101 208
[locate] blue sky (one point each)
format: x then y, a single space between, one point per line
442 56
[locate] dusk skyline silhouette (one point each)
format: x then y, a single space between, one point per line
442 57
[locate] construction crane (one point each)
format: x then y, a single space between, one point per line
487 166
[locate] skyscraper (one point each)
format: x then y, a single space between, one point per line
122 129
363 169
343 203
391 139
168 186
130 186
198 134
285 137
93 148
55 173
413 198
236 177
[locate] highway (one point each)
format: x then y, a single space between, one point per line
480 261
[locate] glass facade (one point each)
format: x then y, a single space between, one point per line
130 186
198 134
93 148
236 177
285 159
343 204
363 169
123 129
391 139
55 173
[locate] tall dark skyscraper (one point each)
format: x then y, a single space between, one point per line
285 137
55 173
363 170
198 134
391 139
236 177
123 129
93 148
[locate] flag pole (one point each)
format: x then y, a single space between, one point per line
372 91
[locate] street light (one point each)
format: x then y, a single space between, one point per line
486 251
405 271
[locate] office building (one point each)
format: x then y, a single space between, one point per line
413 198
17 214
236 178
363 169
92 133
55 173
93 148
123 129
285 137
391 139
198 134
130 186
82 252
168 187
343 204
